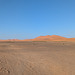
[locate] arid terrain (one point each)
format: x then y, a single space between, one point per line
37 58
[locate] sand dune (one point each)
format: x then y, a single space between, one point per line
51 38
45 38
37 58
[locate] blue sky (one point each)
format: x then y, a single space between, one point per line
25 19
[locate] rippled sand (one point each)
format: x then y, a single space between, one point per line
37 58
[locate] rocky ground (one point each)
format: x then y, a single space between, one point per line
37 58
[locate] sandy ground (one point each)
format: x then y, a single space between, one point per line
37 58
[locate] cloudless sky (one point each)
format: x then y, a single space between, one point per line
25 19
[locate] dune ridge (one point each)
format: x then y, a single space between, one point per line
45 38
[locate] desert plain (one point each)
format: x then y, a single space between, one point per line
37 58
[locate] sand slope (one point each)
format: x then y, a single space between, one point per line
44 38
37 58
51 38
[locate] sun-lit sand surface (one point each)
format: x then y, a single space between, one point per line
37 58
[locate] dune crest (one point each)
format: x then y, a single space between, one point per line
45 38
51 38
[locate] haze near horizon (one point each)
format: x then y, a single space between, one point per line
27 19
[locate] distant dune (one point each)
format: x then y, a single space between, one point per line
51 38
45 38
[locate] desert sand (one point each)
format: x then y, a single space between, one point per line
37 58
45 38
50 38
